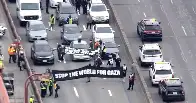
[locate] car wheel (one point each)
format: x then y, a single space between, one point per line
29 39
142 38
138 31
31 56
164 98
152 84
60 24
34 62
149 76
183 98
159 91
21 23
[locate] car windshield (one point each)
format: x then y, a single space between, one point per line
67 10
152 27
98 8
37 27
103 30
80 46
30 6
152 52
42 48
110 45
72 30
163 72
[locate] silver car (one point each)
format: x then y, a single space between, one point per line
36 30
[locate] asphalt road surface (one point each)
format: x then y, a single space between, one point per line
78 91
19 76
178 22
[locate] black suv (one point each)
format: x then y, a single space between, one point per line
171 89
149 29
63 11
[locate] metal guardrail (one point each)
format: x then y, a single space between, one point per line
129 51
16 36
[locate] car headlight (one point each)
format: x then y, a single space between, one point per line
52 56
22 17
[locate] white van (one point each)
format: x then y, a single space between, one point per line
28 10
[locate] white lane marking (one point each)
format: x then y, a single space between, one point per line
110 93
76 92
194 10
84 27
138 0
104 78
184 30
144 14
183 57
172 1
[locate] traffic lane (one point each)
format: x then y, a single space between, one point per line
53 39
134 43
19 76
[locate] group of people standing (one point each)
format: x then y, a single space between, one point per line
49 86
16 54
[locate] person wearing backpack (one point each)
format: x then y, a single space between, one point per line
56 88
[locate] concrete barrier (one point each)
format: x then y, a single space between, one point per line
16 36
128 49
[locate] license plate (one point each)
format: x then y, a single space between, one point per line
175 93
44 60
153 32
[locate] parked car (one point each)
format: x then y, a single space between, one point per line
41 52
70 32
36 30
63 11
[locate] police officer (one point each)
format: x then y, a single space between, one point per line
21 60
124 67
131 81
89 21
50 86
110 61
47 6
31 99
103 52
117 60
78 4
56 88
69 20
43 89
52 21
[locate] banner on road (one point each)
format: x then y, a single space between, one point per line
88 71
69 50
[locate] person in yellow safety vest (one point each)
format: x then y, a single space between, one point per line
69 20
31 99
50 86
52 22
12 52
153 19
103 51
43 89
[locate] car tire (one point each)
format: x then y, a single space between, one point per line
159 91
34 62
31 56
183 98
152 83
21 23
163 98
60 24
138 31
29 39
142 38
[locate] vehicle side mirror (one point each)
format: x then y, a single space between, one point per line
108 9
118 45
81 31
159 22
17 9
181 81
160 47
61 31
113 31
140 47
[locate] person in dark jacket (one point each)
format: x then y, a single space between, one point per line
88 78
21 60
98 62
89 21
78 4
59 51
47 6
118 60
56 88
84 6
131 81
41 7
